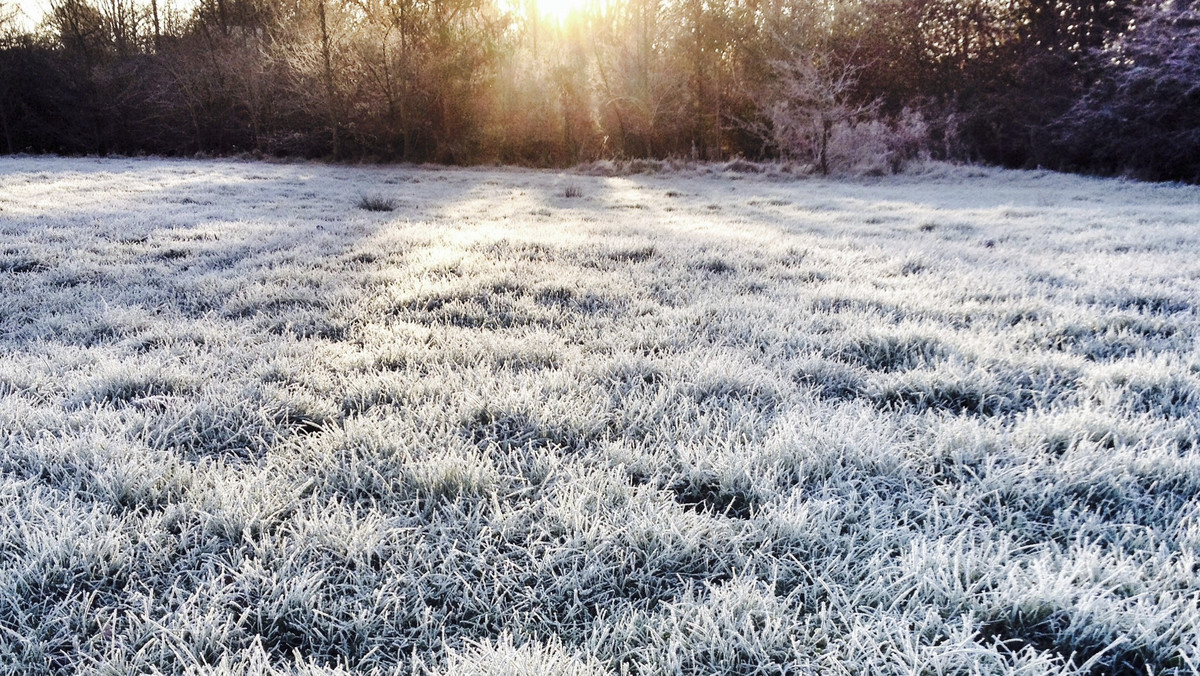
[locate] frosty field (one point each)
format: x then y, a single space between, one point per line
695 422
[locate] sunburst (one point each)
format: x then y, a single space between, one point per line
556 10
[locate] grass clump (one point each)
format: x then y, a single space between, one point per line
376 203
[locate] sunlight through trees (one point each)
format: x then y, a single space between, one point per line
557 82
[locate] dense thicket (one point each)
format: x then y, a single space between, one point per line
1090 85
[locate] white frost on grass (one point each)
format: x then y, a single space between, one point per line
691 422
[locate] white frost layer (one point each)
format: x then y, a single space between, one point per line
539 422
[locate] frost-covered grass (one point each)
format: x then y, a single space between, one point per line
531 423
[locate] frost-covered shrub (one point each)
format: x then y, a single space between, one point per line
812 114
876 145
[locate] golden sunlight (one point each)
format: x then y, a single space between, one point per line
555 10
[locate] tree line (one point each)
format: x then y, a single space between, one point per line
1100 86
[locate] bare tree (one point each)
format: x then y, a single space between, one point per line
7 30
812 95
8 16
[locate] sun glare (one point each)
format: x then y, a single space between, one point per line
556 10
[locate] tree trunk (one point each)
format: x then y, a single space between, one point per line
157 28
823 151
7 133
330 94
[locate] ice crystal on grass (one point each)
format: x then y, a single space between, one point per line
822 428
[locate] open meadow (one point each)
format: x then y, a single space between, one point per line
270 418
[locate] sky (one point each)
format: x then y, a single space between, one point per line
30 13
32 10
